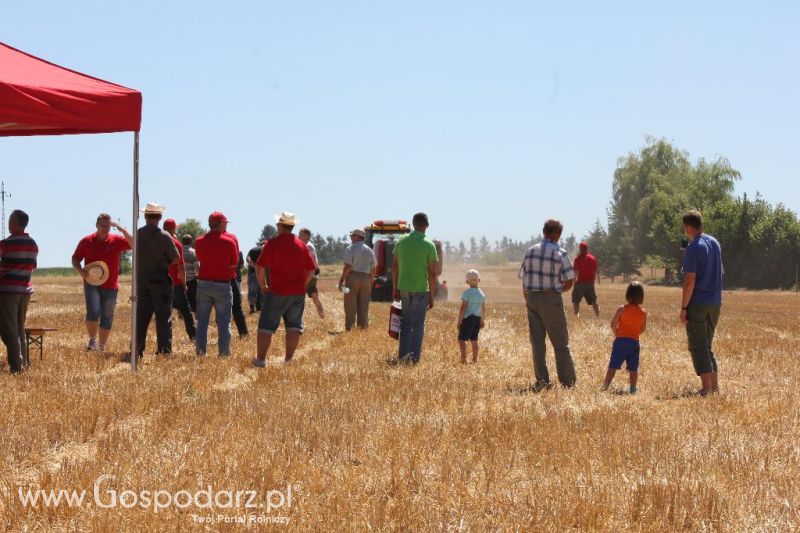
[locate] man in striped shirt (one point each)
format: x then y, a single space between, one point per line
18 254
546 272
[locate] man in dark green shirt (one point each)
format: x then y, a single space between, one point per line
414 284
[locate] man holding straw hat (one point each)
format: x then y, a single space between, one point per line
97 259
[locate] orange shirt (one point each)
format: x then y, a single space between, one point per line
630 322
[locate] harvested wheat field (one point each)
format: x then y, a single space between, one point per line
340 440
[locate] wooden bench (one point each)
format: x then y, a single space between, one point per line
35 337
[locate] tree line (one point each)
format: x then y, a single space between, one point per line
651 189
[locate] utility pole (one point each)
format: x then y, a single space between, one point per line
3 196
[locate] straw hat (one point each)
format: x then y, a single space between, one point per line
286 218
153 208
97 273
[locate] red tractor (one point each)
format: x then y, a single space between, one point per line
382 236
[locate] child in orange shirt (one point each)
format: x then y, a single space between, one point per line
629 322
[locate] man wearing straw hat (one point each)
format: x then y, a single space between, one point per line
177 272
291 268
155 253
97 259
358 275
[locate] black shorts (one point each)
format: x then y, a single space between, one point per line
311 290
584 290
470 327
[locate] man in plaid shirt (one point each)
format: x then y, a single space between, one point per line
546 272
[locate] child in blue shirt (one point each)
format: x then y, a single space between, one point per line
471 316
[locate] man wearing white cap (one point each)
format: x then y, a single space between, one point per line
155 252
97 259
358 275
291 268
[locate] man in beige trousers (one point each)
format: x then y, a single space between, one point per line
358 276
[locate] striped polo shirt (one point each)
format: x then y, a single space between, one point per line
17 261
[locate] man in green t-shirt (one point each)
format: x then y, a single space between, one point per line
414 284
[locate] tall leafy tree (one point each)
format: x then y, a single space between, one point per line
191 226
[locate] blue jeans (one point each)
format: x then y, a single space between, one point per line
220 297
100 305
412 324
253 291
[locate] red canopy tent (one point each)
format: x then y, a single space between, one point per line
40 98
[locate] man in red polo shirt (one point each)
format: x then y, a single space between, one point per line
101 301
218 256
178 274
291 268
586 268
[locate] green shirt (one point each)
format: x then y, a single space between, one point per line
414 253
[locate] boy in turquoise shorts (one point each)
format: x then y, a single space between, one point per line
471 316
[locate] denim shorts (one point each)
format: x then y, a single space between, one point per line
276 307
625 350
100 305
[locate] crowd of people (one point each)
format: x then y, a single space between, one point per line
194 276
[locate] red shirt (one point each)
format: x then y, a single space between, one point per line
108 250
174 270
217 256
289 261
586 267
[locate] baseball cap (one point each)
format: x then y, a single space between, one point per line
217 216
170 223
583 245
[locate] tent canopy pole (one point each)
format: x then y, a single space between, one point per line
135 233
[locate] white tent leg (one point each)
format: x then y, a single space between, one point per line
134 232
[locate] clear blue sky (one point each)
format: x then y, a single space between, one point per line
490 116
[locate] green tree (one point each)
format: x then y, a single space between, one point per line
571 245
269 231
191 226
650 191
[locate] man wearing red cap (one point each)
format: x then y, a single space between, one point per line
236 284
178 274
586 267
218 256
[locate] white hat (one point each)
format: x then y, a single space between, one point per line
286 218
153 208
359 233
97 273
473 274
